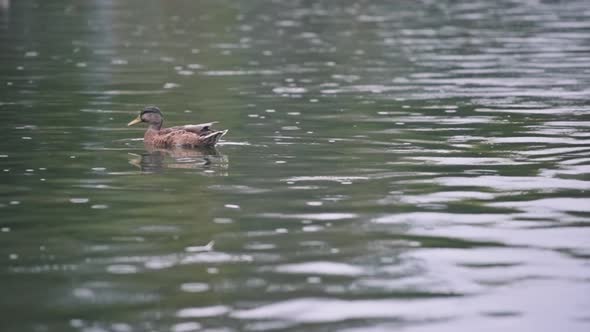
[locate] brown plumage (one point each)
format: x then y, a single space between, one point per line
187 135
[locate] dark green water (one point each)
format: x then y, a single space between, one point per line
390 165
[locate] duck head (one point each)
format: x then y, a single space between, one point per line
150 114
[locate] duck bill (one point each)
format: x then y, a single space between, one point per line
135 121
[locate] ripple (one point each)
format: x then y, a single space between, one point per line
195 287
365 88
553 151
123 92
242 189
504 183
548 111
549 204
311 216
537 139
543 237
122 269
240 72
315 310
434 218
289 90
213 311
476 161
321 268
446 196
214 257
186 327
170 85
321 178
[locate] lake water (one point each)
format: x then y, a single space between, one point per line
390 165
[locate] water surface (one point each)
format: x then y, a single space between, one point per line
418 166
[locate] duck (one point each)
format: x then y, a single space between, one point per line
192 136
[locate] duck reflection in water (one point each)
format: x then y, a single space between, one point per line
156 160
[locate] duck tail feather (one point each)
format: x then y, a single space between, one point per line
213 138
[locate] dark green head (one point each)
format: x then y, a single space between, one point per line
151 109
151 115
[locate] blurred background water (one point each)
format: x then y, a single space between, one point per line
390 165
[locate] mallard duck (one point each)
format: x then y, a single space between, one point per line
198 135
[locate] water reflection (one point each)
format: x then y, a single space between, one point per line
156 160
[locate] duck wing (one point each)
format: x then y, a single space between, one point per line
187 138
201 128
